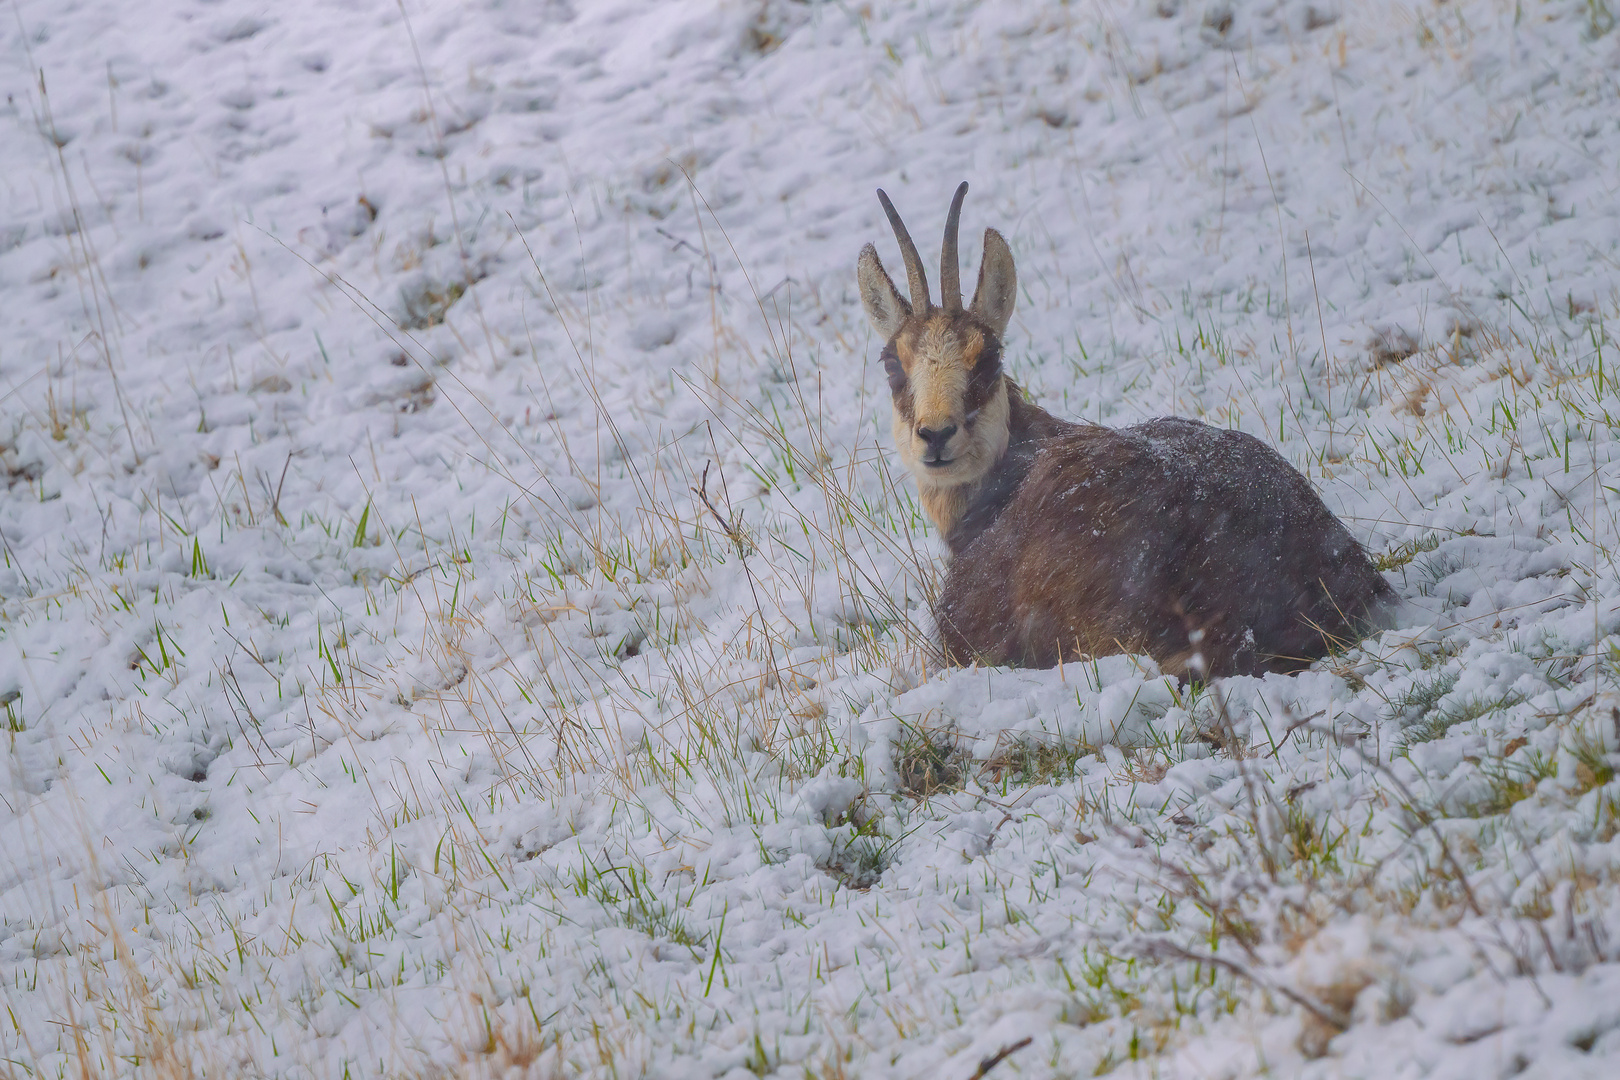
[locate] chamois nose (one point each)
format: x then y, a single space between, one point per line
936 440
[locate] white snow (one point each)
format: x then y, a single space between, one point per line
461 614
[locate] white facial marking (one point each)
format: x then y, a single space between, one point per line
938 374
980 438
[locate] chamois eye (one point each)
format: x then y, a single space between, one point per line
896 373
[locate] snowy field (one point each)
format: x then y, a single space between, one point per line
461 613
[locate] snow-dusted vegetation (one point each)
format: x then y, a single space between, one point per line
461 613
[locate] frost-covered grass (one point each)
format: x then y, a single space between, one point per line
460 615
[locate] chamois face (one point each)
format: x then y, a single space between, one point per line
943 363
950 402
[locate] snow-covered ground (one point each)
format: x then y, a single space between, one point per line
460 613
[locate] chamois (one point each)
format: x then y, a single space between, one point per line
1199 546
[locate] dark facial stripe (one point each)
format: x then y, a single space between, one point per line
984 377
899 385
891 368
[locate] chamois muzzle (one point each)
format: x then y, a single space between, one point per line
934 457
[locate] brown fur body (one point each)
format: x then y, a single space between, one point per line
1085 540
1199 546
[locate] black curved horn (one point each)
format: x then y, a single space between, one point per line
915 276
950 270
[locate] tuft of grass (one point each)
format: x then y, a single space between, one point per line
1436 567
1594 766
860 853
1313 843
1421 698
928 761
1599 19
639 907
1404 552
1511 782
426 307
1435 722
1029 761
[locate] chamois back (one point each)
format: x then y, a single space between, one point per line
1198 546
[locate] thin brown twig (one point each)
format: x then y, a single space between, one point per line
727 527
1330 1017
999 1056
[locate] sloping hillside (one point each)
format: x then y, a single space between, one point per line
460 612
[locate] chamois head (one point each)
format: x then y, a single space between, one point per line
943 363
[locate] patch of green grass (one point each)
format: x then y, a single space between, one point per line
928 761
1511 782
1594 767
1104 984
627 892
428 306
1435 722
1435 567
1313 844
1404 552
1599 21
861 853
1421 698
1028 761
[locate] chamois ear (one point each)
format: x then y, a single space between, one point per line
884 305
998 284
